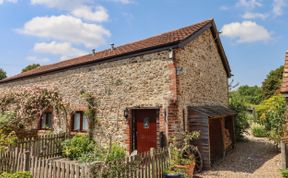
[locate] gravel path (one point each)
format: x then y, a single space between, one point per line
256 158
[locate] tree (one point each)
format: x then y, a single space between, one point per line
237 103
271 114
2 74
271 85
251 94
30 67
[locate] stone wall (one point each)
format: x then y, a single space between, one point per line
148 80
139 81
203 79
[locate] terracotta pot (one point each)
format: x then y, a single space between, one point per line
189 169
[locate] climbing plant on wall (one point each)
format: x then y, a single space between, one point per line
19 109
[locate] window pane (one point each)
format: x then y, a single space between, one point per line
85 123
43 121
76 124
49 120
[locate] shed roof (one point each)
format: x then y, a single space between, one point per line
171 39
213 111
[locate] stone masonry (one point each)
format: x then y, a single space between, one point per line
148 80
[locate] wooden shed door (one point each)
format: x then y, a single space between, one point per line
146 136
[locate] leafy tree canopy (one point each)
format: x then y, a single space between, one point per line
2 74
237 103
251 94
30 67
271 85
271 114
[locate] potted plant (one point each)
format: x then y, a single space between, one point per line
182 160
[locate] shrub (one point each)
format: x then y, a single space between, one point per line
116 152
271 114
258 130
77 147
6 139
16 175
284 173
81 148
237 103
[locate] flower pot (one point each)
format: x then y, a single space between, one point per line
173 176
189 169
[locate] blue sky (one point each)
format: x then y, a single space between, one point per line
254 32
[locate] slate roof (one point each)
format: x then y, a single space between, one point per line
158 41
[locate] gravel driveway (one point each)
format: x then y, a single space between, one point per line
256 157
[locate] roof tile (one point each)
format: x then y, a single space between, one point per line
284 87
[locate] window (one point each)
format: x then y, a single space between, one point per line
46 120
79 122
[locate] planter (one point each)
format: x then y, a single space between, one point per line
189 169
173 176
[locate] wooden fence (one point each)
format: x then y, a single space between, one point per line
145 165
11 161
41 167
42 146
41 156
59 168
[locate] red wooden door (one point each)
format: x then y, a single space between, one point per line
146 135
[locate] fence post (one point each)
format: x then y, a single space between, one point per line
26 161
152 155
284 154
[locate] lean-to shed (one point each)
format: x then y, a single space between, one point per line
216 127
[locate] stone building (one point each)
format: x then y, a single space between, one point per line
154 88
284 91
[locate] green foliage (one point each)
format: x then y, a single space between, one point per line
77 147
181 153
237 103
2 74
271 85
284 173
6 139
82 148
21 108
5 118
20 174
250 94
258 130
271 113
30 67
90 112
117 152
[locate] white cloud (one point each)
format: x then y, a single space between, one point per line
124 1
249 4
251 15
36 59
99 15
56 48
278 6
66 28
11 1
246 32
61 4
